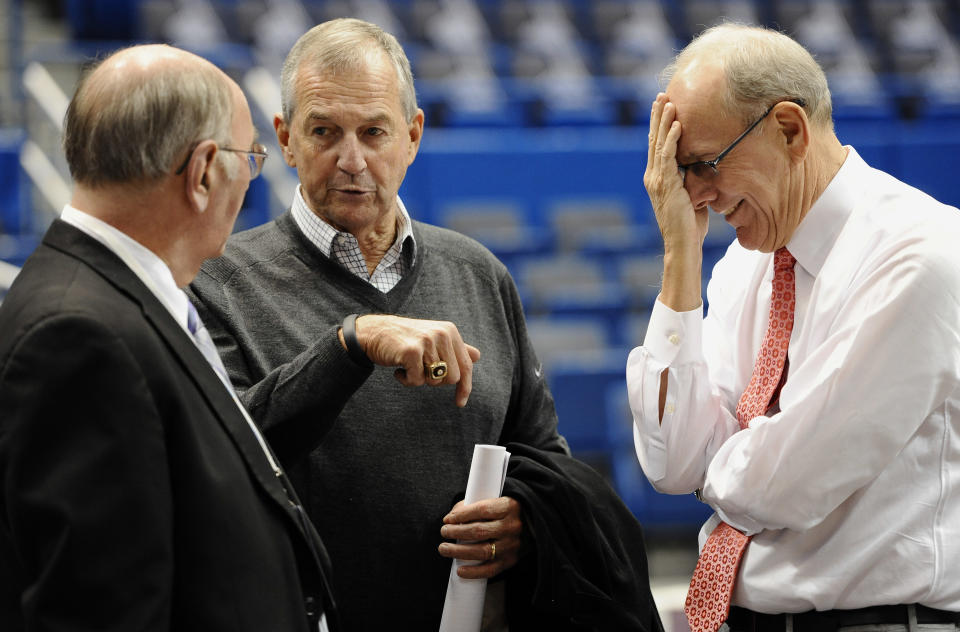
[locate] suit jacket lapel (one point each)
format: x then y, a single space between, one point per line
76 243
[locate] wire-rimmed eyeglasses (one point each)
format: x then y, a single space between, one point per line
706 169
255 158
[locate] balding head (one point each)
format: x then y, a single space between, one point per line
760 67
138 112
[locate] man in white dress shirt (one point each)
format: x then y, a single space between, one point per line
849 484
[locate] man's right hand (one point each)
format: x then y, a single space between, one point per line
680 224
412 344
682 227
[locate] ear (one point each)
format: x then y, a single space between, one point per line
283 138
199 174
793 127
415 130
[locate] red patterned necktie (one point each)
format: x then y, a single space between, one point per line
708 600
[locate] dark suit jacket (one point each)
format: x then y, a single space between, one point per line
134 494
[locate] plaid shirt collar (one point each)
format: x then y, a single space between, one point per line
342 247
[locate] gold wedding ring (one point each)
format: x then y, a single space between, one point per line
437 370
493 550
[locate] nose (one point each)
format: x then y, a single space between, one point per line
702 191
351 158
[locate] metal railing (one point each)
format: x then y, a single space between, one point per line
8 272
51 104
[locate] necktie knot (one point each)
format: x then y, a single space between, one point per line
206 345
193 319
783 260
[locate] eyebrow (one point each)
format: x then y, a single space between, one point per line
378 117
691 157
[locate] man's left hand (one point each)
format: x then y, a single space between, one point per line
482 528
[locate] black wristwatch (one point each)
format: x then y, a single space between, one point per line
349 327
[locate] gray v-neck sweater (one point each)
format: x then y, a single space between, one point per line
379 480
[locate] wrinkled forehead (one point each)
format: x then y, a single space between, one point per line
367 64
371 89
697 92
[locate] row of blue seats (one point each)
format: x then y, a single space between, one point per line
537 169
536 172
590 19
619 73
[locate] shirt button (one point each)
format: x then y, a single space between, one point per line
674 339
669 409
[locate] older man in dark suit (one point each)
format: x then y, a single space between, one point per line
137 494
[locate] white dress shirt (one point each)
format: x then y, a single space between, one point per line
852 489
344 248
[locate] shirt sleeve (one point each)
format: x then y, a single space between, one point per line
674 454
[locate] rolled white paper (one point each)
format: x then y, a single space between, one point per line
463 607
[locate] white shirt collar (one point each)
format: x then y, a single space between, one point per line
148 267
814 238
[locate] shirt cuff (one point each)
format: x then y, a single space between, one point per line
674 337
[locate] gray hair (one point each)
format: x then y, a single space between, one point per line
132 125
762 66
342 46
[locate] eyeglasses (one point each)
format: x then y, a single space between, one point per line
255 158
707 169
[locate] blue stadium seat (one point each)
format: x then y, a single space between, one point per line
560 341
600 227
500 225
924 149
256 205
650 506
571 285
117 20
14 207
579 385
641 277
578 363
634 328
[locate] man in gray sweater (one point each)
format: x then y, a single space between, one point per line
381 485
